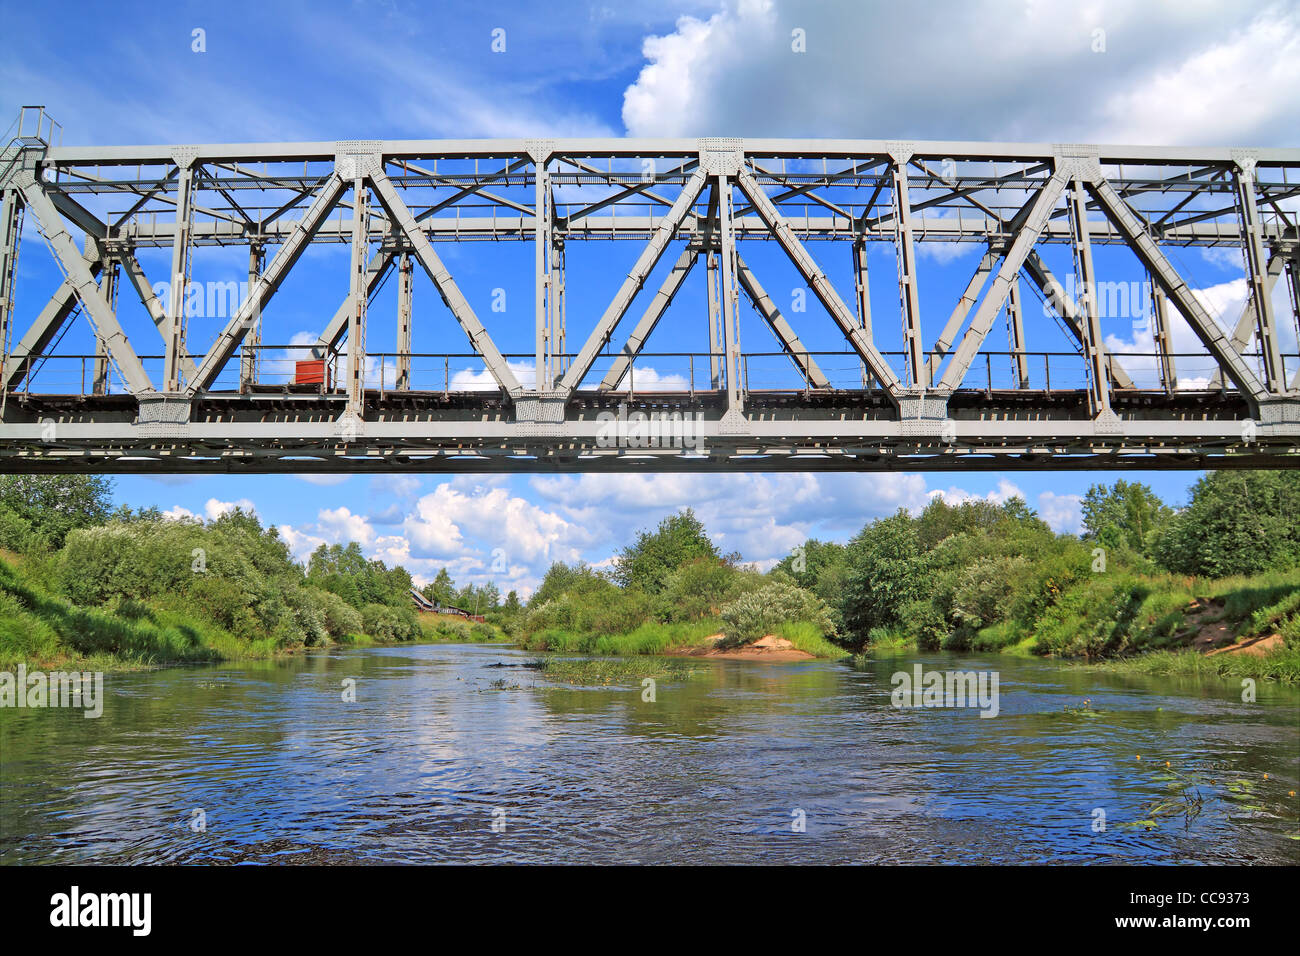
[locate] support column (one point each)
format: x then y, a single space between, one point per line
1293 280
108 285
253 338
715 326
405 284
10 229
559 346
180 277
360 298
1099 385
545 378
905 253
1016 324
1256 276
1163 339
862 288
730 296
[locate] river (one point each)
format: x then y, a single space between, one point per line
445 758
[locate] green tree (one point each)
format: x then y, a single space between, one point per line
55 504
1126 513
647 563
1237 522
886 570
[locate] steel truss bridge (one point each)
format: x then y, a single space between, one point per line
159 401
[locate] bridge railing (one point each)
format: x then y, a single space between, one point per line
650 372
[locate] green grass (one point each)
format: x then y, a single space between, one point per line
651 637
1282 665
39 628
808 638
604 672
447 629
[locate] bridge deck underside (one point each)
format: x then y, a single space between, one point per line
287 432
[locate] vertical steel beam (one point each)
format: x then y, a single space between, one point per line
10 229
405 283
1293 281
862 290
1256 277
360 298
909 299
252 341
1163 338
558 316
1093 347
1016 324
729 294
716 348
180 276
545 377
108 285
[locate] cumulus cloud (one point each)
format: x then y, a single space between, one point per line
212 509
1063 513
987 70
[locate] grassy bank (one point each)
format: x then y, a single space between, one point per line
43 629
1156 624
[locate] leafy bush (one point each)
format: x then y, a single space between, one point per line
384 622
761 612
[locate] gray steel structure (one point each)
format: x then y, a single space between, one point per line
203 407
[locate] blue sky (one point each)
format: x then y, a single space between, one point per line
1184 73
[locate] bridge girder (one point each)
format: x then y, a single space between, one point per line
1016 200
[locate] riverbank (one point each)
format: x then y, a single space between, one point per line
797 640
45 631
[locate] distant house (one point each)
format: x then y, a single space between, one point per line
422 603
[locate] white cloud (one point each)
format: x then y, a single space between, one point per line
213 509
1063 513
1004 491
986 70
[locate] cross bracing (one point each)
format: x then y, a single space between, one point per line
792 356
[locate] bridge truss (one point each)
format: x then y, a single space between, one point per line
153 397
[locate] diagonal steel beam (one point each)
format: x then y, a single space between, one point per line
818 282
43 329
1246 325
645 263
564 221
1206 328
294 245
78 273
782 329
962 309
653 313
376 269
397 210
1069 310
1035 217
140 282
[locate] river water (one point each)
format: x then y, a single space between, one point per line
445 758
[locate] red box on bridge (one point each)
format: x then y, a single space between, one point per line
310 372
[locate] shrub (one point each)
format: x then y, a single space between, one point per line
763 611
